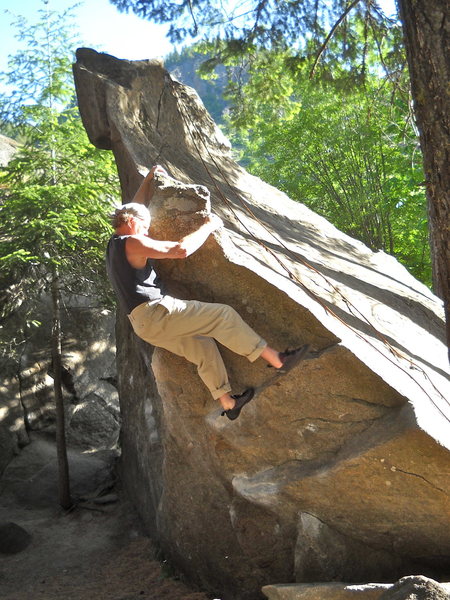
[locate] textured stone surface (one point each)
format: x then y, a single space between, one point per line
417 588
31 479
339 471
92 424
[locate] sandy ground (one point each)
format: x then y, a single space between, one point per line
93 552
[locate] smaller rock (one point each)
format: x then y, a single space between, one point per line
8 148
417 587
324 591
13 538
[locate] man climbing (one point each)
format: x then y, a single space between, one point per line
187 328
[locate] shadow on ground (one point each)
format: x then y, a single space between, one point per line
97 551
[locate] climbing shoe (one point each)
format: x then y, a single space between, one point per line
241 401
291 358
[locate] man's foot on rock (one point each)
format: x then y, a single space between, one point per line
291 358
241 401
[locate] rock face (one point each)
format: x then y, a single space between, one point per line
340 472
324 591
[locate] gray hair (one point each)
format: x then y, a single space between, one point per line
123 214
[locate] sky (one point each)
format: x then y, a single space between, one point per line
101 27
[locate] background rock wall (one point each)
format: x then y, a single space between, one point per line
339 472
89 382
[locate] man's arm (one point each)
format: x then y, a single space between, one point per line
147 187
139 247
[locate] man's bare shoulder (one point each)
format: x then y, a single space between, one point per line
144 246
140 239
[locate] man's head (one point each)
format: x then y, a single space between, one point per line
129 213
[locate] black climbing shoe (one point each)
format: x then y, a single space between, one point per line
291 358
241 401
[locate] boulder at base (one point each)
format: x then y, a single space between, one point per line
417 588
408 588
340 472
13 538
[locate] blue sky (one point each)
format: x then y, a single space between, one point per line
100 25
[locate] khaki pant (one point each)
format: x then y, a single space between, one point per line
188 328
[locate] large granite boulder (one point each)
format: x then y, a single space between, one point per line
340 471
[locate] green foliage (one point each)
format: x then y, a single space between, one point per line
58 189
235 31
40 73
53 215
351 156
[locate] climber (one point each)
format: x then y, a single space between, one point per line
185 327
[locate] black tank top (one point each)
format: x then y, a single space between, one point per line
132 286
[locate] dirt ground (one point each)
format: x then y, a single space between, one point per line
94 552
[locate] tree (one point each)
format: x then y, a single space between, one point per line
308 26
57 191
427 43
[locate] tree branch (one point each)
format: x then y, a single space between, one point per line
191 10
330 35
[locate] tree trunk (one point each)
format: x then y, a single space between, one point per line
63 464
426 33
